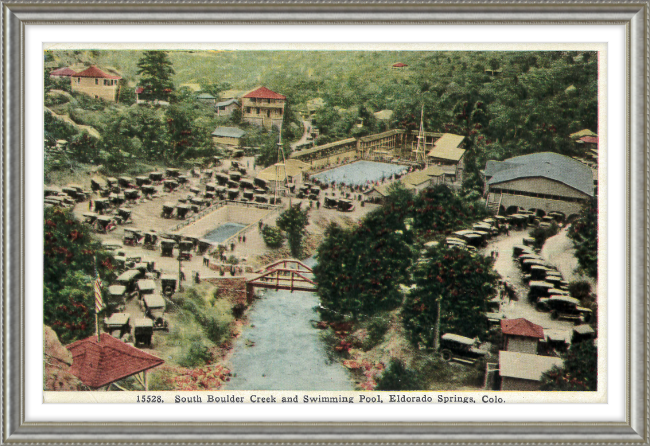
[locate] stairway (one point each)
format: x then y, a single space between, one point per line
493 206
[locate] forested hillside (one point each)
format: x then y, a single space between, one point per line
527 102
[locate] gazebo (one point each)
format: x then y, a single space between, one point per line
101 363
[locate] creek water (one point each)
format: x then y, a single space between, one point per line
281 350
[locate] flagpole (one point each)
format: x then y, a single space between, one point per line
96 306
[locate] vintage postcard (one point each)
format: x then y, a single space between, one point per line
242 225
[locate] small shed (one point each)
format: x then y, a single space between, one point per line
523 371
521 335
229 136
225 108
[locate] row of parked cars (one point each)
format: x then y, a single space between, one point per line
65 197
547 288
138 279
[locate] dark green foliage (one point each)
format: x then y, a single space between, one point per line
584 233
214 316
156 72
197 355
359 269
579 372
69 254
580 290
462 282
188 133
272 236
398 377
127 94
293 221
438 210
542 234
377 328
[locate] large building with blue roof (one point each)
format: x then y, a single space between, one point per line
545 181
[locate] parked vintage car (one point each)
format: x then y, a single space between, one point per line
143 332
154 308
118 325
460 348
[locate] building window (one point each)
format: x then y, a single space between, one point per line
78 80
258 111
96 81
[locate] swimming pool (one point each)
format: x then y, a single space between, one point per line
360 173
223 232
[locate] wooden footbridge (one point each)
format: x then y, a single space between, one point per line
286 274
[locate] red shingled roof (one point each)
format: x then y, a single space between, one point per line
399 65
63 72
264 93
590 139
95 72
139 90
98 364
521 327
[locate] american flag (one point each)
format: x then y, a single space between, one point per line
99 302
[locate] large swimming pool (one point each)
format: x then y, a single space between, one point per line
360 173
223 232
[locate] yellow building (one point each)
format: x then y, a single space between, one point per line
263 107
95 83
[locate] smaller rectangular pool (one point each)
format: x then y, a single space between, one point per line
223 232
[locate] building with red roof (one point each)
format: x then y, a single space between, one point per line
96 83
521 335
399 65
98 364
263 107
62 72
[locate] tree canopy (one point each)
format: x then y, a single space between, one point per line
156 73
584 233
579 371
462 282
69 272
293 221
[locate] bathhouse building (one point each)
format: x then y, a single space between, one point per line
523 371
540 182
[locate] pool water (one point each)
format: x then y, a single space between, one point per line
223 232
360 173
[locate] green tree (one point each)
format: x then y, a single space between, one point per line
584 233
273 237
579 371
156 73
359 269
461 282
69 254
188 133
397 377
293 221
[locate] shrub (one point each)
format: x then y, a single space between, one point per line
196 356
542 234
272 236
377 328
398 377
232 260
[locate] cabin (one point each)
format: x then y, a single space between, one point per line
263 107
228 136
206 98
523 371
225 108
96 83
521 335
542 182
